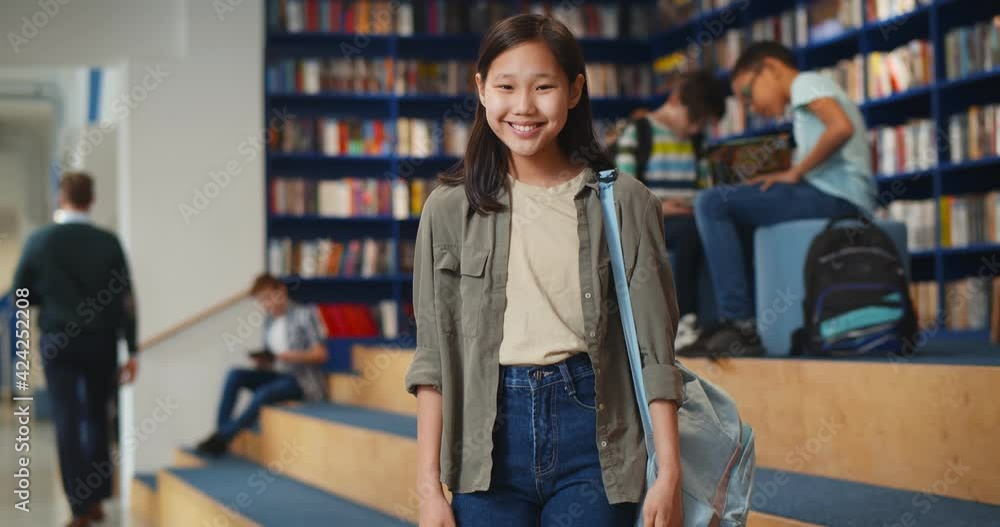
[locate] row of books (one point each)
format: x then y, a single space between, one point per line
425 137
975 134
349 197
919 217
829 18
384 17
965 220
677 12
969 219
784 28
451 77
333 136
967 303
901 69
318 75
924 296
619 80
850 75
360 320
359 258
408 17
970 304
876 10
972 49
907 147
602 20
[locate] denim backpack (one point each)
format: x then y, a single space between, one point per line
717 448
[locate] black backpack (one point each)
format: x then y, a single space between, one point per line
643 147
857 298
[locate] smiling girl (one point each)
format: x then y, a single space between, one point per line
525 406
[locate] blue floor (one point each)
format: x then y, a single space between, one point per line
271 500
826 501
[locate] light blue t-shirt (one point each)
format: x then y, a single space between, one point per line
847 172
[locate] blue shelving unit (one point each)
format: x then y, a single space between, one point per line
937 101
395 286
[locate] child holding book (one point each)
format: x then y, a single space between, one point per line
289 369
830 176
525 406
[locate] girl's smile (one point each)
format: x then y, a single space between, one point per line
525 130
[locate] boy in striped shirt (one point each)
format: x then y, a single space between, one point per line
668 167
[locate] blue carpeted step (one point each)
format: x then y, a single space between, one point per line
391 423
826 501
271 500
147 478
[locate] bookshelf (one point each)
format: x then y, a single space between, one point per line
937 101
313 42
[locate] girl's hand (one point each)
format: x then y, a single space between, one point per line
663 506
435 511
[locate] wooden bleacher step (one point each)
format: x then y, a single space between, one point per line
898 425
235 492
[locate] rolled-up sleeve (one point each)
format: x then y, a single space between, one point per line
425 370
654 302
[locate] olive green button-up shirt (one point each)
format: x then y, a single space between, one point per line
459 298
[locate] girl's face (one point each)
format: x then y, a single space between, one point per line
527 98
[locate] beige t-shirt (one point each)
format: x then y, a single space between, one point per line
543 320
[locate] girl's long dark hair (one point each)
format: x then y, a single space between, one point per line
483 169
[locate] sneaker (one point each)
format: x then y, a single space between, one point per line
727 339
687 331
213 446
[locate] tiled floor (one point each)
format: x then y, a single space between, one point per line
48 506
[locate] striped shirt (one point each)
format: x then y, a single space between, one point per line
670 171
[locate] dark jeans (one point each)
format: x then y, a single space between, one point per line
546 470
722 211
268 387
81 373
682 239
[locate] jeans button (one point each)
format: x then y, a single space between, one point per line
604 444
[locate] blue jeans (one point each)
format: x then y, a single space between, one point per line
546 470
268 387
722 211
82 381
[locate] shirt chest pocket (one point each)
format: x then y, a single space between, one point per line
460 285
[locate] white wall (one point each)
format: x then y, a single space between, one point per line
195 113
184 374
88 32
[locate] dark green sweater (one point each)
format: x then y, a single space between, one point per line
78 275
